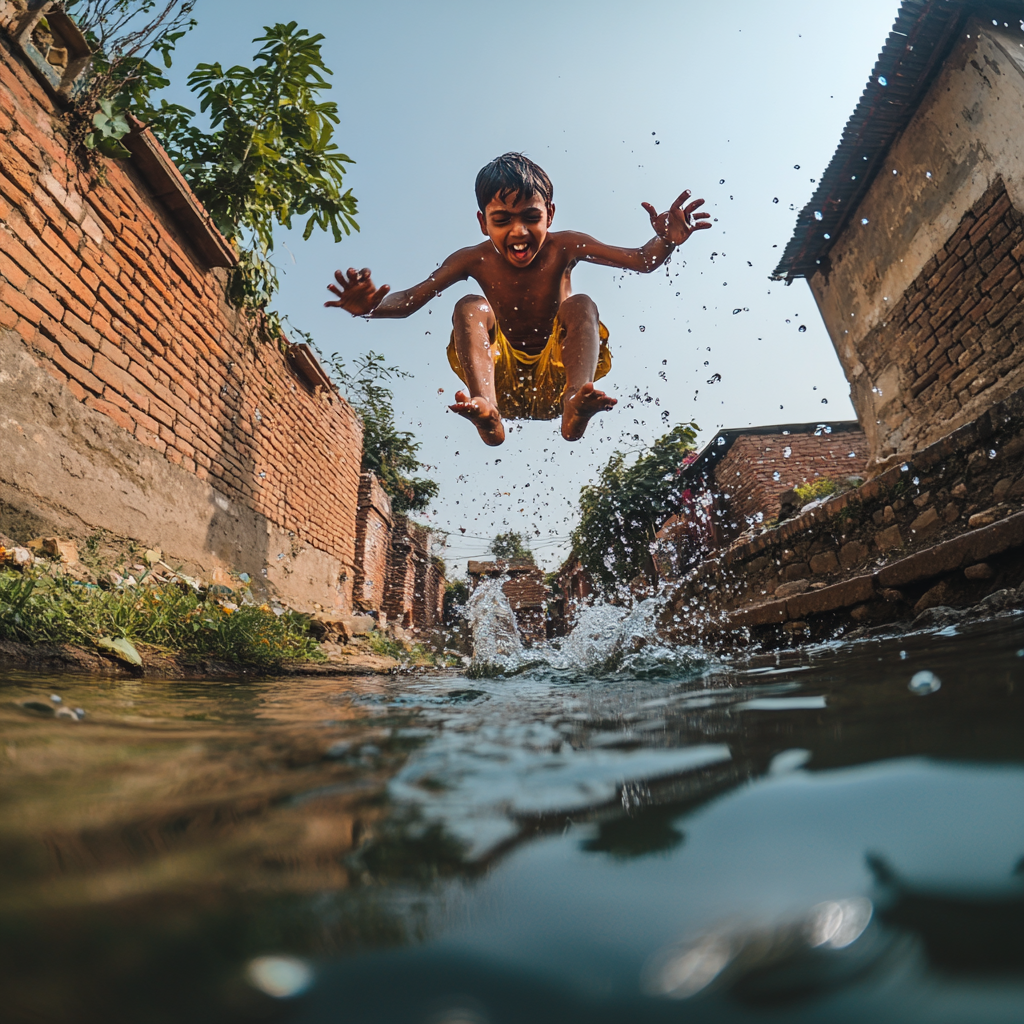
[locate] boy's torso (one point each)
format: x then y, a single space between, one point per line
524 301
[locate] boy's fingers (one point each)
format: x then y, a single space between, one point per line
340 278
683 196
378 295
334 288
702 216
696 204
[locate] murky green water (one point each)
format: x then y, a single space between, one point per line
784 838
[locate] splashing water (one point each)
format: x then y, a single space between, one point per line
606 640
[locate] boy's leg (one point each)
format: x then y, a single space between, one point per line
472 321
580 349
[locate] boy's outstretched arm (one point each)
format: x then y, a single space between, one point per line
357 294
672 228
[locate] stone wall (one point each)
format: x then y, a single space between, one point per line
944 527
135 399
921 293
373 545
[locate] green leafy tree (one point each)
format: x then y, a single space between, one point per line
511 546
387 451
269 155
623 510
126 36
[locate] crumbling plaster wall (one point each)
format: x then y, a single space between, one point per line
966 133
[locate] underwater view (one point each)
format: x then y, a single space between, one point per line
611 831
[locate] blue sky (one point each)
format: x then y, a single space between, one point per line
741 101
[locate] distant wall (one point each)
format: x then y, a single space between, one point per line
415 585
373 545
745 477
923 294
133 397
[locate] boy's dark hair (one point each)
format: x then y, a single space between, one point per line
512 175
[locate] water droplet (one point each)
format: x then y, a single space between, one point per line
927 174
827 235
802 328
923 683
824 401
817 214
642 328
796 167
776 199
776 475
737 310
282 977
721 181
882 81
787 451
864 220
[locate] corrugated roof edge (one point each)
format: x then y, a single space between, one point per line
921 38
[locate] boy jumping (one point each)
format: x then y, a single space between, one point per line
527 348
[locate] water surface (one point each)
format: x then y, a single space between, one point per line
780 837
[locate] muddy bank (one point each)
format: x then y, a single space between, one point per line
161 664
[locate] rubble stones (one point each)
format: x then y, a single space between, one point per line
980 571
793 588
887 540
825 562
852 553
925 523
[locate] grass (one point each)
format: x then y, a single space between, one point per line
40 606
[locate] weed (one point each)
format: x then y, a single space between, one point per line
47 607
385 646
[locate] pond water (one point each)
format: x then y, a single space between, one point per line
797 836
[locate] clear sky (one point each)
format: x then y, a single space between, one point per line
741 101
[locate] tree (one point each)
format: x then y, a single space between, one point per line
387 451
123 35
622 512
511 546
269 154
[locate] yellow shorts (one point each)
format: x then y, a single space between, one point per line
530 387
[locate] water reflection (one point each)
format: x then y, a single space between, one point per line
795 832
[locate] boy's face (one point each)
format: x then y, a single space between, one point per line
517 229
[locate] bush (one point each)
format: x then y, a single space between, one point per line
41 607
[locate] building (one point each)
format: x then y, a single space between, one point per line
913 244
735 485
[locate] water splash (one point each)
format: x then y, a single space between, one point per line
607 640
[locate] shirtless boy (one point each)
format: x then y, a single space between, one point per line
527 348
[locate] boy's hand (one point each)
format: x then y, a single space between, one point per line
677 224
356 294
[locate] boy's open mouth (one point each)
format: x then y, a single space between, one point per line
520 252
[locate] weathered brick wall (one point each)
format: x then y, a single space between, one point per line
99 285
921 290
373 545
746 476
415 584
958 329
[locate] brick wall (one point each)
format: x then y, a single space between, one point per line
100 285
415 584
958 330
373 545
746 480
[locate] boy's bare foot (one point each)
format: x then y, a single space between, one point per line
483 415
577 410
